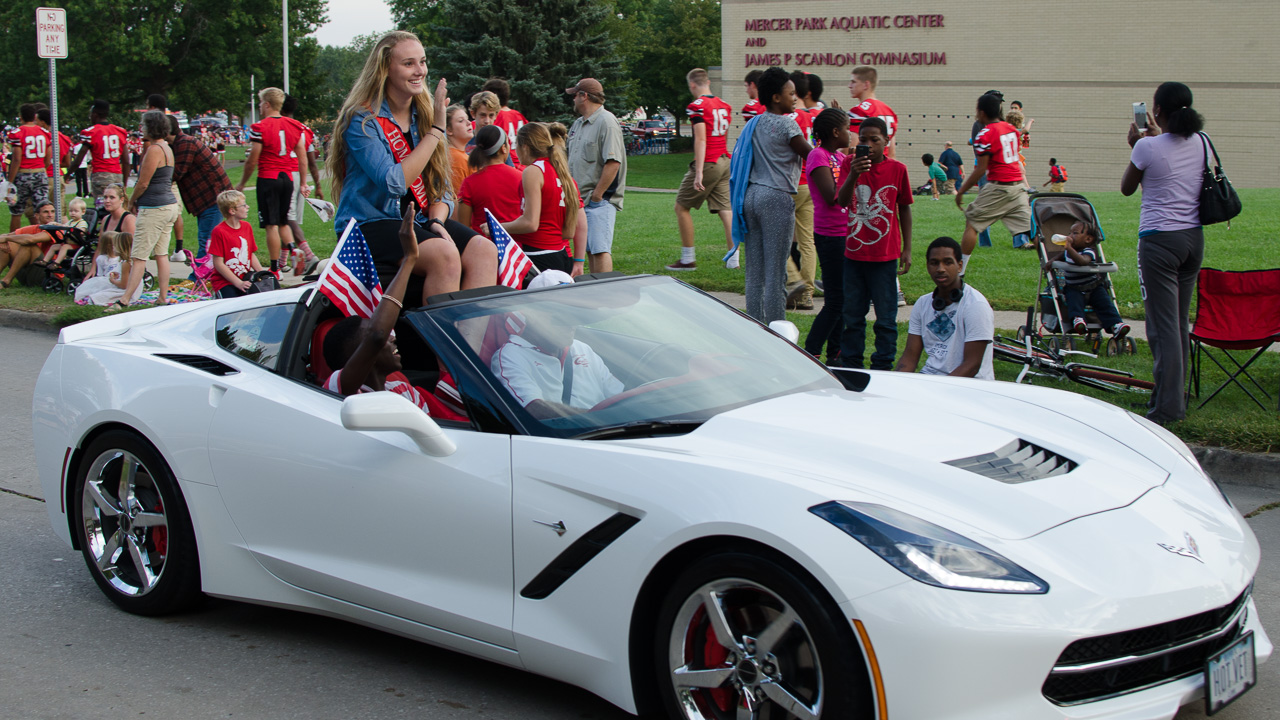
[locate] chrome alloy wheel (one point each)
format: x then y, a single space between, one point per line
125 524
738 650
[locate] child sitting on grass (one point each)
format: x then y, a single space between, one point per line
108 276
1080 288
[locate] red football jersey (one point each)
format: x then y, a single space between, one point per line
805 121
279 137
716 114
510 121
873 108
495 188
1000 142
32 146
551 219
752 109
64 147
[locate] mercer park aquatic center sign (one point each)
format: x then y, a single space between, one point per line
846 23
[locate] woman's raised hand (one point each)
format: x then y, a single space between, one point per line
441 99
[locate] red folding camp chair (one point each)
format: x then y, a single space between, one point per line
1235 311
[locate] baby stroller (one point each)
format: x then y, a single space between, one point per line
1054 214
72 271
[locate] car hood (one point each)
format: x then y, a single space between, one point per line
892 447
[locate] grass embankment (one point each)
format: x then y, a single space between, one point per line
647 240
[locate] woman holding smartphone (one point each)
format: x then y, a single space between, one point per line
1168 162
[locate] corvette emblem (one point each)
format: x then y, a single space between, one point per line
1190 550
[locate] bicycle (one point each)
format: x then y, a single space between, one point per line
1039 360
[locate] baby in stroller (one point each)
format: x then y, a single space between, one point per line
1080 288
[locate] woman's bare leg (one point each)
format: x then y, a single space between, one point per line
480 263
162 278
438 262
136 269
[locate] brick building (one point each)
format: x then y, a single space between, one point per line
1077 67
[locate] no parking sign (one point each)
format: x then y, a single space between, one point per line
51 32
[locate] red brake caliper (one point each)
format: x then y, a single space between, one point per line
714 655
160 536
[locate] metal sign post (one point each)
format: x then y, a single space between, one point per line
51 43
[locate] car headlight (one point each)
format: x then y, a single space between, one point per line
1181 448
929 553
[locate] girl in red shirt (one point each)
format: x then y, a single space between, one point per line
493 184
544 229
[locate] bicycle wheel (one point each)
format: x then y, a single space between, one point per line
1112 381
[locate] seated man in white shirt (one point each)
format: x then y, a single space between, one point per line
547 371
954 325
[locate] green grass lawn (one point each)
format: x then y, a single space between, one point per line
647 240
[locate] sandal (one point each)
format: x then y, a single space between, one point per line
116 306
4 284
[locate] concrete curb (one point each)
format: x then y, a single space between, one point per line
40 322
1240 468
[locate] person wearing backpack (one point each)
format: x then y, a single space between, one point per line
1057 176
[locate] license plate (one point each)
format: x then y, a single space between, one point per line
1229 673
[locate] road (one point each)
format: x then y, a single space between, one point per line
66 652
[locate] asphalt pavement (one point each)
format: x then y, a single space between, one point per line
67 652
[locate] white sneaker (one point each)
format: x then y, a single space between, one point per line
178 257
902 299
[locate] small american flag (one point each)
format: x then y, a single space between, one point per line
512 262
350 280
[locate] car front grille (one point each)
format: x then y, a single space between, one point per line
1109 665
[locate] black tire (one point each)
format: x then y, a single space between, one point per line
148 281
72 286
1130 347
801 642
1115 347
52 283
157 532
1022 332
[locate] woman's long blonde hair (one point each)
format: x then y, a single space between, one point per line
367 94
547 140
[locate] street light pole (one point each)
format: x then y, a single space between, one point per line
284 21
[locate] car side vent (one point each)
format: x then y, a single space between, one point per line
1017 462
200 362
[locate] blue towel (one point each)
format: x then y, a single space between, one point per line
739 175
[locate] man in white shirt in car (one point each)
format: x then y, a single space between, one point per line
545 369
954 325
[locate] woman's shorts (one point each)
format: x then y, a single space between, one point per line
151 235
383 237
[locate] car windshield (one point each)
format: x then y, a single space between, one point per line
636 353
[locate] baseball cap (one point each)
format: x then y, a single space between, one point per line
586 85
550 278
997 93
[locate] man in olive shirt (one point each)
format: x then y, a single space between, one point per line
598 163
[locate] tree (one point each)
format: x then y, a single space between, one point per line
336 68
200 53
539 47
662 40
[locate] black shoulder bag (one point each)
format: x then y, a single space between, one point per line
1218 200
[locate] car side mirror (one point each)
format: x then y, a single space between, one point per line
787 330
389 412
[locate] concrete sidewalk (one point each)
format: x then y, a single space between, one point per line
1005 319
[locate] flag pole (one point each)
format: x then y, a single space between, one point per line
351 224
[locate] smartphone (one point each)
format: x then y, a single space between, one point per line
1140 115
863 151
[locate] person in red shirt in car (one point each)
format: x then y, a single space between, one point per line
278 143
1004 197
708 177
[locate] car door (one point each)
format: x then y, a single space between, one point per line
367 517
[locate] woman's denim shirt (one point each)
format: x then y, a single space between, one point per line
374 182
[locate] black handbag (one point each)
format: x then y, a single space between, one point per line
261 281
1218 200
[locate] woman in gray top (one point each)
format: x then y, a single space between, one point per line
778 151
156 206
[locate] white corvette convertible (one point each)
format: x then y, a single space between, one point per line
691 516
